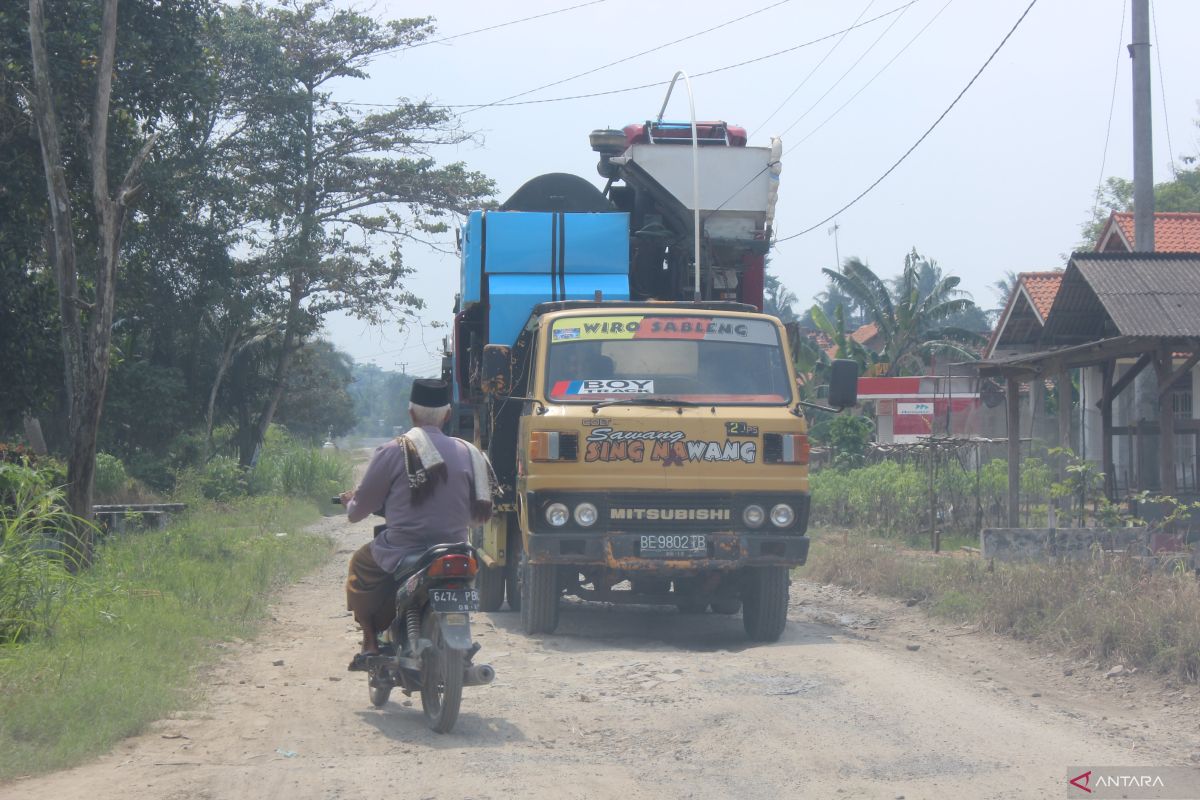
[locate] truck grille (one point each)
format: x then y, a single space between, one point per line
697 512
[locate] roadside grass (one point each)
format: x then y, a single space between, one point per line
135 629
1111 610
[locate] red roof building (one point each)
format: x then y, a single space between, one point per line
1025 313
1174 232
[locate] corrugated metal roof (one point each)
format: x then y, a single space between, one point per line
1143 294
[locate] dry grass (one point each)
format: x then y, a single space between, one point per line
1110 610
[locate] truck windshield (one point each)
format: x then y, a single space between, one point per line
696 358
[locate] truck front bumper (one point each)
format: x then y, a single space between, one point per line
729 550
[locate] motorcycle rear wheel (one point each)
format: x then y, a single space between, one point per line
441 679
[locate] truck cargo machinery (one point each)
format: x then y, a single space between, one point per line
643 436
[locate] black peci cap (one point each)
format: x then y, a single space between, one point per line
430 393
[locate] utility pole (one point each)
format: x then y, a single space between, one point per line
1143 148
1146 387
833 230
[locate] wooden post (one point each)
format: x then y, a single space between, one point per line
1063 388
1106 420
1164 364
1013 396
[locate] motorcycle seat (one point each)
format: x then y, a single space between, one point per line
418 561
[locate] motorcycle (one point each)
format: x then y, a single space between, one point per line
428 647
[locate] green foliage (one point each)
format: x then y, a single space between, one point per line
778 300
848 438
121 647
111 478
1182 193
301 472
221 479
316 401
919 314
892 499
380 400
34 580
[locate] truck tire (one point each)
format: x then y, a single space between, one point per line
512 584
539 596
765 603
490 583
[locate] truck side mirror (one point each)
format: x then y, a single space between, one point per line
497 370
843 383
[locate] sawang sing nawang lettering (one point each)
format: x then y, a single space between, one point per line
668 447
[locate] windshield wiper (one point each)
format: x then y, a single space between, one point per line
642 401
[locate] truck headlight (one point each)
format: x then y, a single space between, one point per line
557 514
586 514
782 515
753 516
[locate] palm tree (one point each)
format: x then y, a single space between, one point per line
778 300
913 325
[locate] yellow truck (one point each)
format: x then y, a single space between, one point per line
650 449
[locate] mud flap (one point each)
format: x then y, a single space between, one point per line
456 629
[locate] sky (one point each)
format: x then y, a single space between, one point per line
1003 183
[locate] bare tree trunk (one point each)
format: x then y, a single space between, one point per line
33 434
86 359
278 380
226 358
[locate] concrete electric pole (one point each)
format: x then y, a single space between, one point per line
1143 147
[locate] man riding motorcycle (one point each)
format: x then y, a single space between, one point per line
431 488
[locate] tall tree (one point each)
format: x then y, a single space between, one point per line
335 192
85 244
1181 193
912 327
778 300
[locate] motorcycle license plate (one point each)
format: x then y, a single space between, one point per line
667 545
454 600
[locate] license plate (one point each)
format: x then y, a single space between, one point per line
667 545
454 600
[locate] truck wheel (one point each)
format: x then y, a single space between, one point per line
512 584
490 583
539 596
765 603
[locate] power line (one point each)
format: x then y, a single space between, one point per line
653 84
627 58
882 69
499 25
1112 102
925 135
1162 86
857 61
901 10
812 71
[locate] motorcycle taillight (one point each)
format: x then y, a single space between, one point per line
454 566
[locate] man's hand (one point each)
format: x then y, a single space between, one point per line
347 496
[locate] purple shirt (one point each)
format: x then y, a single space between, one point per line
443 516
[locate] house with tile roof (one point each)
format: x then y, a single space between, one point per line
1024 313
1174 232
1110 316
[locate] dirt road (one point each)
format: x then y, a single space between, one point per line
648 703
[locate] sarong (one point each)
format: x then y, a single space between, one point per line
370 591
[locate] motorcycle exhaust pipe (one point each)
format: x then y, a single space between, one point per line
478 675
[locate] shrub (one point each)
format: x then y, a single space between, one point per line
33 575
110 479
221 479
293 469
